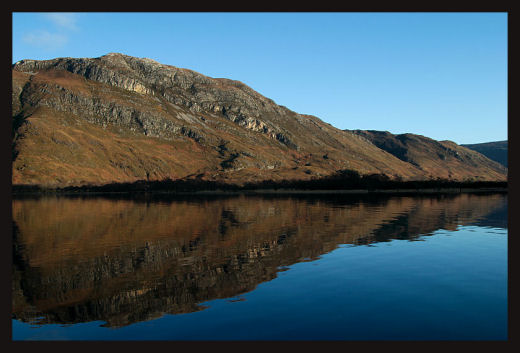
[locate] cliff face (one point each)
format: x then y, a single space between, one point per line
120 119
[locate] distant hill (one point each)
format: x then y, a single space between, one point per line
496 151
117 119
444 159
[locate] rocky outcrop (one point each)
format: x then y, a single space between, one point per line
180 87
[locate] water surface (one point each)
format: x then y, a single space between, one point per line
260 268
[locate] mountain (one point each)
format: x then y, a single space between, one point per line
117 118
496 151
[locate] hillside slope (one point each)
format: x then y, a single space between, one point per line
120 119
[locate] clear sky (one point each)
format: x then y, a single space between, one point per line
441 75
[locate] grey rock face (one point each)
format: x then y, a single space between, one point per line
198 93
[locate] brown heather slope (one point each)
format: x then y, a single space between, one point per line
120 119
443 159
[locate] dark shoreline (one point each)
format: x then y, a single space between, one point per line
342 182
270 192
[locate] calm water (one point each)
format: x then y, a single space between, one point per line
260 268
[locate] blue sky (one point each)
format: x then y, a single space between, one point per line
441 75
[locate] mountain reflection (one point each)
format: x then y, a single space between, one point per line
127 260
